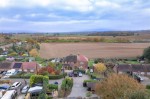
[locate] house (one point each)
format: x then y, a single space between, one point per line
10 59
82 61
71 60
132 68
76 61
26 66
30 67
4 66
17 66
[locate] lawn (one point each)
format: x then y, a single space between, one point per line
90 63
128 62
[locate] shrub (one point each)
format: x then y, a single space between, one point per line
52 86
146 53
38 79
137 95
67 84
13 54
120 85
22 75
147 86
88 94
2 58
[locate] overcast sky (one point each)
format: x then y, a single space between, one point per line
73 15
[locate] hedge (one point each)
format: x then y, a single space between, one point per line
51 77
85 81
79 70
21 75
52 86
38 79
67 84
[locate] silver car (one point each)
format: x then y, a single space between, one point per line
25 89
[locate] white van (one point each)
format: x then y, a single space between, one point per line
10 94
10 72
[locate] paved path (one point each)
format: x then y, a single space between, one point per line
78 90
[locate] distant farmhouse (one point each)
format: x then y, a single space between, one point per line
75 61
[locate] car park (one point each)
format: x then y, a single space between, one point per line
25 89
15 85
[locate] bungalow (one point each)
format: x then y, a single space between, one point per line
4 66
26 66
30 67
132 68
76 61
70 61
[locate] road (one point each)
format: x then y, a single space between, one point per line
78 90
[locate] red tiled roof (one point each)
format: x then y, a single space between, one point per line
29 65
82 58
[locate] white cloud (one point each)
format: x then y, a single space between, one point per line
107 4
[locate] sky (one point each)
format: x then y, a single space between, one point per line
73 15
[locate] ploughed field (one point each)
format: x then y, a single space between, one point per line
92 50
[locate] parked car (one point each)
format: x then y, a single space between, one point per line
75 74
71 74
80 74
10 72
10 94
34 92
4 87
3 73
141 79
56 83
15 85
25 89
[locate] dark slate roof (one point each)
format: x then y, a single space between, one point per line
124 67
134 67
5 65
70 58
137 68
147 67
17 65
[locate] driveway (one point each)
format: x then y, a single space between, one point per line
78 90
146 81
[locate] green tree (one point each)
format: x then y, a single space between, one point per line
1 50
146 53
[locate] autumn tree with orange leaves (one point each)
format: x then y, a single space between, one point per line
117 87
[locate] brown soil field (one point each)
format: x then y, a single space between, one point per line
92 50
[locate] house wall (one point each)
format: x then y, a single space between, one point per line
83 64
